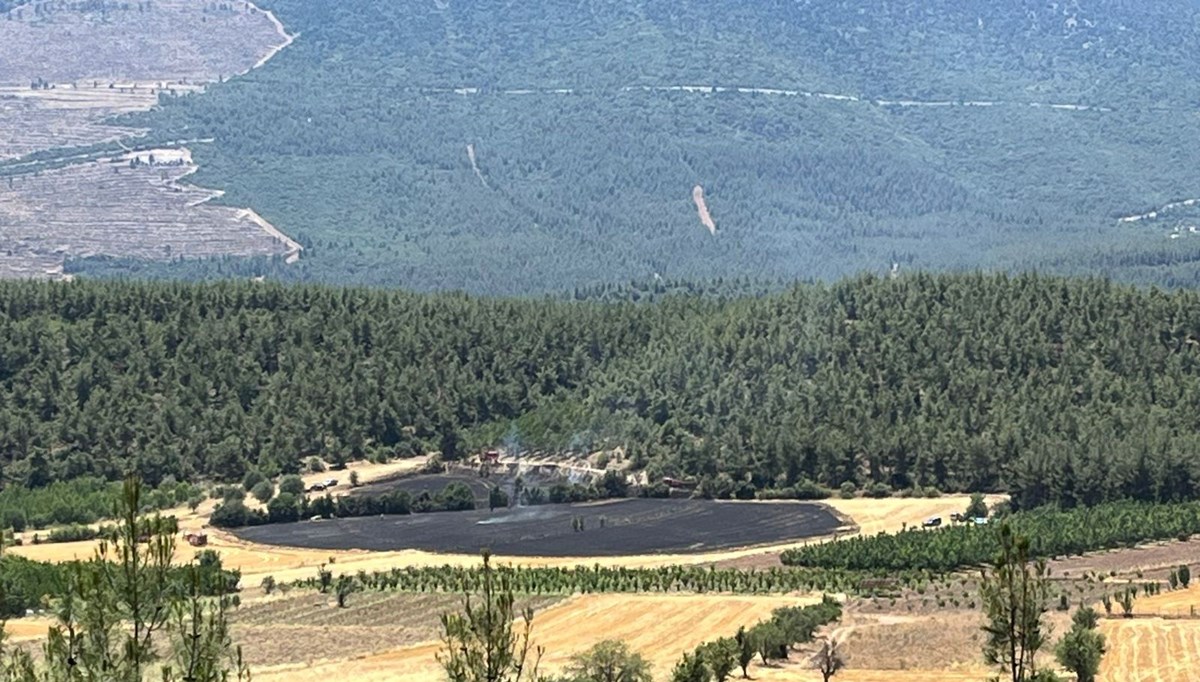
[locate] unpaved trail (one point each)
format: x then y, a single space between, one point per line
293 247
694 89
288 38
475 165
1153 215
702 209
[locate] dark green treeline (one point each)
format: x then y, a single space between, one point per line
1067 391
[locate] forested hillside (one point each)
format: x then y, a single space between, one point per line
1072 391
507 147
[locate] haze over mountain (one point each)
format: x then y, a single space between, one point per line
525 147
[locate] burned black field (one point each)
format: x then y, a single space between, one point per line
434 483
615 528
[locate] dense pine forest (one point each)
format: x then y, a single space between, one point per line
438 146
1061 391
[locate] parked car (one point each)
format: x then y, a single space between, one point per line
932 522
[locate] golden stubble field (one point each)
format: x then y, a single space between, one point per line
662 627
1151 650
393 637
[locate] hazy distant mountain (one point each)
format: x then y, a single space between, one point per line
533 146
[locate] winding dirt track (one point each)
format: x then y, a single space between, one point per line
702 209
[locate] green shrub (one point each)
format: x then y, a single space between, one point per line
231 514
252 479
848 489
879 491
284 508
293 485
74 533
263 491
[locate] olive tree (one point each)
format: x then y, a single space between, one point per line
1082 648
609 661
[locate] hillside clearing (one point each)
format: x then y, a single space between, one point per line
59 93
111 208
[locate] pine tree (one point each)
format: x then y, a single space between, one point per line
1014 594
481 644
119 606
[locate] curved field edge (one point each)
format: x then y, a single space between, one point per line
257 560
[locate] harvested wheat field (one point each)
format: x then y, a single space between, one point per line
310 629
1179 603
1151 650
27 629
661 627
940 641
893 514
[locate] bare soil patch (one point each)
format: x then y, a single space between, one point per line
65 70
110 208
702 209
171 41
1157 557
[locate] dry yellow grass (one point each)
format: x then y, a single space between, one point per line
368 472
941 641
893 514
1151 650
662 627
26 629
